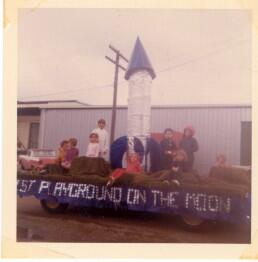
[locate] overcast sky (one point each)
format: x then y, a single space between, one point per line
200 56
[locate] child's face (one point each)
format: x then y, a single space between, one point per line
133 157
221 159
188 133
179 158
168 134
93 139
65 146
101 125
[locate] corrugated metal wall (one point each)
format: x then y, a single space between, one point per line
218 129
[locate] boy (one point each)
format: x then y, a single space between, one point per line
167 148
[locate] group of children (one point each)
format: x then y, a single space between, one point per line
187 147
176 159
67 152
98 146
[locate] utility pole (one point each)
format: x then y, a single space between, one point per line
117 66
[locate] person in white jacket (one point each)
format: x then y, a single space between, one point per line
103 138
93 147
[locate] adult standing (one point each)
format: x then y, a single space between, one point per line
190 145
103 138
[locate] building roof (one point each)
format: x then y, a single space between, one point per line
74 104
51 104
139 61
186 106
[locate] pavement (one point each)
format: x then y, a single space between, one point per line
94 226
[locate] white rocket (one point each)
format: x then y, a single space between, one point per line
139 74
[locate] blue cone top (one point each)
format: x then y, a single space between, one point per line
139 61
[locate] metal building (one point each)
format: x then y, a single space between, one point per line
219 128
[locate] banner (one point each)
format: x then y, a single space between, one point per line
177 201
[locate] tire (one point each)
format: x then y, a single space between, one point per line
193 224
52 206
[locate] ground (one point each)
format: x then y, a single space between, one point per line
80 225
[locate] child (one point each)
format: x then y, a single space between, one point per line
167 147
62 154
72 152
179 159
221 160
133 166
103 138
93 149
189 145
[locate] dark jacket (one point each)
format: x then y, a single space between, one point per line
167 145
189 145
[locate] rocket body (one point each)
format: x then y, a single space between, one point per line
139 75
139 105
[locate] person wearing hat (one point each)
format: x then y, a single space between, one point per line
103 138
190 145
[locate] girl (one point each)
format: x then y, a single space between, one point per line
103 138
93 149
190 145
73 151
167 148
62 154
133 166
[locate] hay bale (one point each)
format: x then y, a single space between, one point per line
188 181
231 175
54 169
83 165
92 179
155 179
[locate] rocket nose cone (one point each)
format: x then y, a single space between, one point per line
139 61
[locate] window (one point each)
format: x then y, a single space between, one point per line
246 143
34 135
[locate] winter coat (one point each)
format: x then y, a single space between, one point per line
189 145
167 145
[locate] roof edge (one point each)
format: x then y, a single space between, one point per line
154 106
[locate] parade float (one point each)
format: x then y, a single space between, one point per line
221 195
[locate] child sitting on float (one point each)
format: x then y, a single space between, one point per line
221 160
132 166
72 151
178 160
62 154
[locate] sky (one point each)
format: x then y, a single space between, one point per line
199 56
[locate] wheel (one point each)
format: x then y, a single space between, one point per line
192 223
53 206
